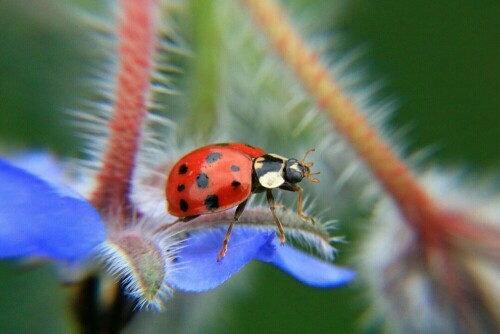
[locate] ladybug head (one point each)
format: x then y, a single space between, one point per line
296 170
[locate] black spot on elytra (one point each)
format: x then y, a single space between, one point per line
181 187
213 157
183 169
235 168
212 202
236 183
202 180
184 205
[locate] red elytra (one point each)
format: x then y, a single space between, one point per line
211 179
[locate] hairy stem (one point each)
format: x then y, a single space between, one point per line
136 34
136 38
394 175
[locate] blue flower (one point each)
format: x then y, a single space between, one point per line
198 270
40 216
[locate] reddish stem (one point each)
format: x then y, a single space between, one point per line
430 220
440 232
395 176
136 36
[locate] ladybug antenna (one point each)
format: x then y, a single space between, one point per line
309 165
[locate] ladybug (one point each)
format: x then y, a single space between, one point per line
221 176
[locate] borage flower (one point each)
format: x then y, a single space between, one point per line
43 217
119 220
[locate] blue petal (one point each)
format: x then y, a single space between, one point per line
42 219
308 269
198 269
41 164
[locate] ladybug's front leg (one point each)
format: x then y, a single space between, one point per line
296 188
272 206
237 214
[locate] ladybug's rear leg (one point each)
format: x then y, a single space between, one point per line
175 222
272 206
239 210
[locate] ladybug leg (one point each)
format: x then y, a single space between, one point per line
296 188
237 214
272 206
175 222
305 218
178 220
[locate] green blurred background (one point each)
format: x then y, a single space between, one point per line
440 60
